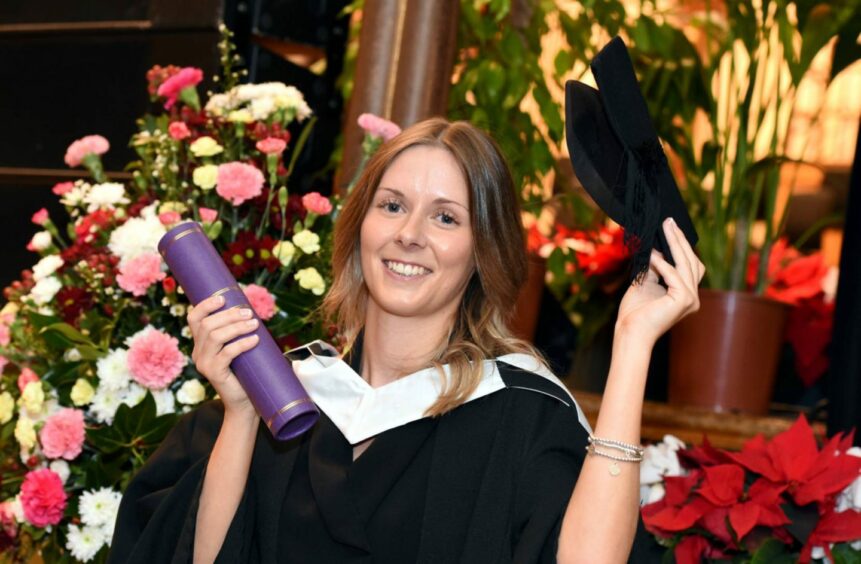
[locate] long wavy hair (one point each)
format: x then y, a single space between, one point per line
479 330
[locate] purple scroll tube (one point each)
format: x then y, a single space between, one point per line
264 373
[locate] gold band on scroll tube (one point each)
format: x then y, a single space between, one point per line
179 236
287 407
222 291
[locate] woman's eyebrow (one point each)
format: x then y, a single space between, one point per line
437 201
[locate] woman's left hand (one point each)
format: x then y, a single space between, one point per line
648 309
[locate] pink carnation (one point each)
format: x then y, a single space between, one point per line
261 300
154 359
5 335
43 498
61 188
207 215
238 182
40 217
63 434
271 146
91 144
315 203
185 78
178 130
138 274
3 362
168 218
25 378
378 127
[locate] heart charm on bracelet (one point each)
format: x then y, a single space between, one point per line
614 469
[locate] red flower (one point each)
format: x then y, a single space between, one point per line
793 460
89 226
790 276
832 527
609 256
72 302
535 239
157 75
169 285
248 253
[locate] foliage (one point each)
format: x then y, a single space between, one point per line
95 365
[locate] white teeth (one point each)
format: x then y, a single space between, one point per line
405 269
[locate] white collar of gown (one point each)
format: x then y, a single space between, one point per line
361 411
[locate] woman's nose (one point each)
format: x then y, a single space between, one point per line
412 231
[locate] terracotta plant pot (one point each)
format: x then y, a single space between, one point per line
724 357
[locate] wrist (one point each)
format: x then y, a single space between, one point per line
627 336
243 418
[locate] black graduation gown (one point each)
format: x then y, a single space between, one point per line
498 473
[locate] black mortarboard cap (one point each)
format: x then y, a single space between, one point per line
618 158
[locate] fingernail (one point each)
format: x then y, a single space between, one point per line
245 312
251 323
219 300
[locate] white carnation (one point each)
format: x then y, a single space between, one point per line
191 392
84 542
164 401
105 403
41 240
137 236
61 467
113 370
45 289
46 267
76 195
99 507
106 195
134 395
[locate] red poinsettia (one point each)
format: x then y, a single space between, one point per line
791 276
609 255
714 510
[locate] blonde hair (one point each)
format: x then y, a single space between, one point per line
480 329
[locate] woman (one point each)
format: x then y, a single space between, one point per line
444 439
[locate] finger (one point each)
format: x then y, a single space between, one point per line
197 313
680 258
221 318
677 287
225 326
234 349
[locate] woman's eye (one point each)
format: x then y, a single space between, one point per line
447 218
391 206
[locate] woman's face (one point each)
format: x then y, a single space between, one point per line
416 238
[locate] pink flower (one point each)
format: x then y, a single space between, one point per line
271 146
238 182
315 203
25 378
168 218
43 498
155 360
261 300
91 144
5 335
378 127
138 274
61 188
178 130
185 78
207 215
63 434
40 217
3 362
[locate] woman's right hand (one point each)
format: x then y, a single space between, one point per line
212 356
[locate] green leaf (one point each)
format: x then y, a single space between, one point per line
772 551
844 554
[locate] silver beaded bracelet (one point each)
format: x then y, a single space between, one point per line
633 450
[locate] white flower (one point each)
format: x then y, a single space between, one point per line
310 279
137 236
44 290
177 310
46 266
99 507
850 497
659 461
72 355
308 241
84 542
7 407
105 403
284 251
17 509
113 370
25 433
76 195
82 392
191 392
41 240
185 332
106 195
134 395
61 467
164 401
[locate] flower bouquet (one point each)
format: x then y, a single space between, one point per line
95 348
780 500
